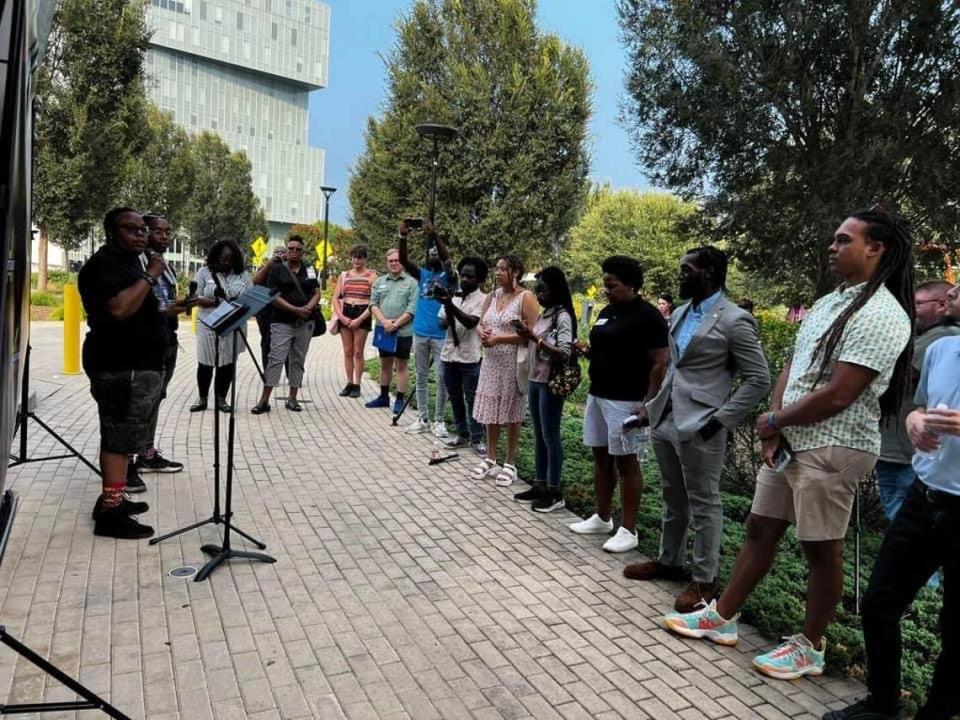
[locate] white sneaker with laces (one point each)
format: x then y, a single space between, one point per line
621 542
593 525
417 426
440 430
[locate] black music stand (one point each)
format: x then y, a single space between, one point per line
247 305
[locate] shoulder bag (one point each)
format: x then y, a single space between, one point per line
319 322
523 359
565 374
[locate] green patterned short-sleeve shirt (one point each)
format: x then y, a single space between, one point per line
874 337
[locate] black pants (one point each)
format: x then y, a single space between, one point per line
224 378
923 537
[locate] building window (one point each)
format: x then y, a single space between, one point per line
193 118
239 129
239 21
293 37
203 9
218 14
213 124
273 32
289 8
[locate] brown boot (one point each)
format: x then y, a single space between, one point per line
695 593
652 570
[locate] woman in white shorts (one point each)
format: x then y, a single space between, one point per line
628 360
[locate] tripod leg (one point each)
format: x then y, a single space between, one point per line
214 520
76 453
253 357
97 702
242 534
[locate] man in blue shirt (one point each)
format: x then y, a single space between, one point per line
428 336
922 538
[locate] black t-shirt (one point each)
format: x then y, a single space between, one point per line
620 342
137 343
279 279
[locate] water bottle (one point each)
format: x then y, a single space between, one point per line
934 454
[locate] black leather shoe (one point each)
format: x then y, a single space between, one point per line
261 408
355 391
115 523
199 406
348 388
130 507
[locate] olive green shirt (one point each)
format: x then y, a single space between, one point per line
396 296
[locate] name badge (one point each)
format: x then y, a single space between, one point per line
602 321
311 274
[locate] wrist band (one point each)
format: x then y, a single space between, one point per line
772 421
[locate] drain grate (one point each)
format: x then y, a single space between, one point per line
187 571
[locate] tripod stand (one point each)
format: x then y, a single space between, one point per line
24 413
255 297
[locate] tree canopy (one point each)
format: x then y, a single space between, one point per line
647 226
782 118
514 179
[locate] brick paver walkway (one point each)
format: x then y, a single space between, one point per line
400 591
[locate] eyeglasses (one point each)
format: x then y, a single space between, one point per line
135 229
294 249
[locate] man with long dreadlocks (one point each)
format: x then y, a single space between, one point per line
850 365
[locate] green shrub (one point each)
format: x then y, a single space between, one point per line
56 279
39 298
57 313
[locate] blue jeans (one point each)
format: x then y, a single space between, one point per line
893 482
546 409
460 380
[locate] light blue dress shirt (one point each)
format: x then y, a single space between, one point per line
939 385
692 319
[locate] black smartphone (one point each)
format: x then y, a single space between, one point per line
413 223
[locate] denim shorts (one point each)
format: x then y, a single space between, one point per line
126 400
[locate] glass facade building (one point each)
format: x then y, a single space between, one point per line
243 69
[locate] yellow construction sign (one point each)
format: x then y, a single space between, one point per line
259 248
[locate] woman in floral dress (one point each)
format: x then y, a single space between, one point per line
500 399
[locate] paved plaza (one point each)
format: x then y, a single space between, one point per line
400 590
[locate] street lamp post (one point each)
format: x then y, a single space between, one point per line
437 133
327 192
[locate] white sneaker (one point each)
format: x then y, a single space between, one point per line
621 542
440 430
593 525
417 426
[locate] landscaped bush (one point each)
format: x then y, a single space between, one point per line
776 607
39 298
56 279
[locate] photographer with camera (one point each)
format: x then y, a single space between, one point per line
428 336
123 355
460 315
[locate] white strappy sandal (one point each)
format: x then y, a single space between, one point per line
484 469
507 475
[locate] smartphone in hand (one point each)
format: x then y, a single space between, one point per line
781 458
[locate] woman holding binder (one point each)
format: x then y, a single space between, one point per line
222 278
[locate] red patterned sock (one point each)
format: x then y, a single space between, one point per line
112 497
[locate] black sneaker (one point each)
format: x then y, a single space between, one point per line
355 391
552 500
538 490
135 483
158 463
115 523
347 389
861 710
130 507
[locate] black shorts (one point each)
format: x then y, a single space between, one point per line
355 311
126 400
404 345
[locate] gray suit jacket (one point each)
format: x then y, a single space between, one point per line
699 384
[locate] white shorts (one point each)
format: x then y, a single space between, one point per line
602 423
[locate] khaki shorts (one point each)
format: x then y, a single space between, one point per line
815 492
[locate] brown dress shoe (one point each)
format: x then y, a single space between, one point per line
695 593
652 570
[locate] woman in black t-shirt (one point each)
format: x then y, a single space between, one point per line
628 360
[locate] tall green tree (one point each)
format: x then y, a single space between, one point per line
222 205
783 117
90 116
160 177
651 227
514 179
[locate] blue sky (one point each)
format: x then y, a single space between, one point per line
362 31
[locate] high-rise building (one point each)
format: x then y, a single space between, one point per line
243 69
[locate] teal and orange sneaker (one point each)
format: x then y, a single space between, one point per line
704 623
793 659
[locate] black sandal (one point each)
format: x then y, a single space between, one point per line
223 405
199 406
294 406
261 408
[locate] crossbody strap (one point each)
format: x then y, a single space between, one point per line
296 281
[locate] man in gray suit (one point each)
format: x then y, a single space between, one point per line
711 342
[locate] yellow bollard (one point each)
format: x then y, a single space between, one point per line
71 330
193 319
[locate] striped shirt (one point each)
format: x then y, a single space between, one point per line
356 289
